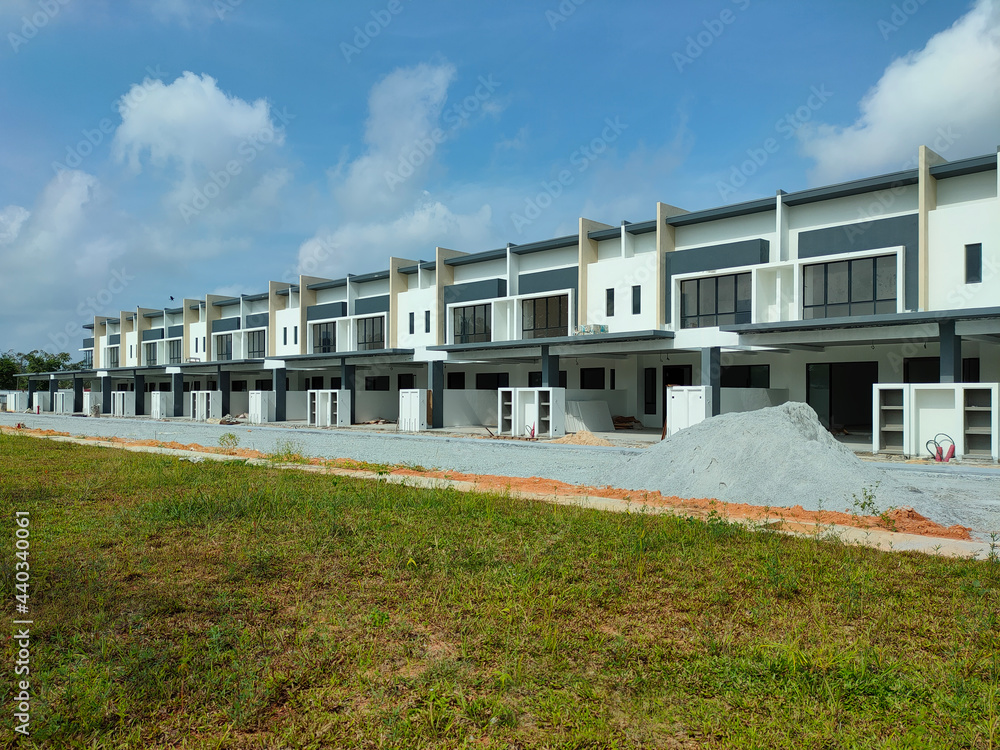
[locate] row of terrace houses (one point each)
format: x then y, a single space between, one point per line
812 296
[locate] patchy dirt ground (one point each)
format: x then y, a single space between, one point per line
903 520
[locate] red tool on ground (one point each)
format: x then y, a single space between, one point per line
938 451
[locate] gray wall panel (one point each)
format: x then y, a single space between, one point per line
549 281
225 325
371 305
329 310
711 258
475 290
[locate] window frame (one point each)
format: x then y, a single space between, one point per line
318 330
706 290
974 263
254 337
374 341
146 359
224 354
548 330
848 304
480 334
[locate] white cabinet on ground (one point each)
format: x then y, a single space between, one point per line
329 408
905 416
17 401
206 405
413 415
261 408
687 405
531 412
161 404
91 399
123 403
63 403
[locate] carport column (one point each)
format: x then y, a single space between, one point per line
951 352
280 399
77 394
348 382
550 369
224 387
140 395
106 395
435 382
177 393
53 387
711 374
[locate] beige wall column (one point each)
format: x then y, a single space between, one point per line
398 282
142 323
212 313
307 298
666 242
587 254
444 275
927 202
275 302
188 316
99 325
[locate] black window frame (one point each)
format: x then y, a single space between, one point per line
589 380
649 390
256 344
745 376
479 317
146 359
88 359
224 347
541 312
175 354
114 357
377 383
427 321
535 379
848 303
636 299
609 303
455 381
974 263
492 381
371 333
324 328
406 381
700 305
413 323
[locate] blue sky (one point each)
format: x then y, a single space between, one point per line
178 147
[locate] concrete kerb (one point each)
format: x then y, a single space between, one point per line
888 541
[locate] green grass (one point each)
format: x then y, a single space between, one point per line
232 606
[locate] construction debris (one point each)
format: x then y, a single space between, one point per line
583 437
626 423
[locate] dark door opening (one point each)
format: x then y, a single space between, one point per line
675 375
841 394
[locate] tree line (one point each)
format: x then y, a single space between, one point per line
12 363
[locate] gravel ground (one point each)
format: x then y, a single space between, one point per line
966 496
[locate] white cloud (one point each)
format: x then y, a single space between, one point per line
404 109
12 218
414 234
184 12
945 96
189 122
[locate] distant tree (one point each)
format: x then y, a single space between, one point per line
37 360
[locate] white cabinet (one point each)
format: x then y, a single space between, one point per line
91 400
261 408
906 416
17 401
63 403
329 408
687 405
205 405
531 412
413 415
161 404
123 403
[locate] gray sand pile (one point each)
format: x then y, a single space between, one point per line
779 457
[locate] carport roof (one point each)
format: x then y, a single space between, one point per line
595 338
865 321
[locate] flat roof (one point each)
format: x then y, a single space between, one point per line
589 338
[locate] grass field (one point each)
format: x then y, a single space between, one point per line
181 604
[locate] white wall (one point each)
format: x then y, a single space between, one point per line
286 319
470 408
490 269
951 228
753 226
326 296
558 258
417 301
197 331
621 274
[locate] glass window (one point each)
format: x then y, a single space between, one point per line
716 300
413 317
427 321
609 303
491 381
224 346
592 378
256 346
974 263
113 357
472 324
377 383
149 356
174 352
324 338
545 317
636 300
864 286
371 333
